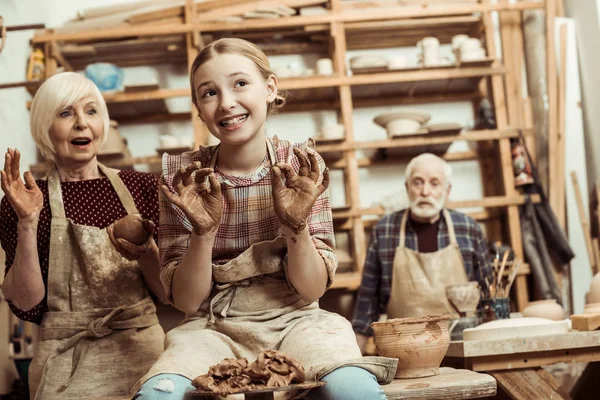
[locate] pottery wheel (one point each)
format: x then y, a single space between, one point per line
256 394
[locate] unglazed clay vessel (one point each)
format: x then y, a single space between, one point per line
464 296
548 309
592 308
594 293
419 344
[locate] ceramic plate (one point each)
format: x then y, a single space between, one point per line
368 70
368 61
444 128
421 131
383 119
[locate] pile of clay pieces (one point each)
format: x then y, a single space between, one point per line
272 368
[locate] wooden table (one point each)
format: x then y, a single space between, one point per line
516 363
450 384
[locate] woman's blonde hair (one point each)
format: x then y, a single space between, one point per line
56 93
243 48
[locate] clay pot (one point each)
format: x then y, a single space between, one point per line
594 293
548 309
464 296
131 228
419 344
592 308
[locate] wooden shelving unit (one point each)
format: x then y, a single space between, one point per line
348 25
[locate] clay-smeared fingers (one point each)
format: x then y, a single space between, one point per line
186 176
276 181
148 226
173 198
7 163
16 165
325 182
315 170
177 180
29 180
288 171
303 161
215 186
201 175
131 251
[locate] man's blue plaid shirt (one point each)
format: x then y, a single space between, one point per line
374 291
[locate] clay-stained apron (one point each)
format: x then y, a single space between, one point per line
419 279
253 307
101 333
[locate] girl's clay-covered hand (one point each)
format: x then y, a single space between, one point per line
201 203
132 236
294 199
25 197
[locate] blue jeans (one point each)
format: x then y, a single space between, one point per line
346 383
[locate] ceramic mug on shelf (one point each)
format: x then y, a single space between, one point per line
325 66
397 62
472 54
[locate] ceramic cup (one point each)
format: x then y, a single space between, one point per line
458 40
493 309
470 44
397 62
472 54
325 66
333 131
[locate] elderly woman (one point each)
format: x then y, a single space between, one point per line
64 267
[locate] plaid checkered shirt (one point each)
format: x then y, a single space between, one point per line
374 291
248 216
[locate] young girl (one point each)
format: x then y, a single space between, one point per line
246 242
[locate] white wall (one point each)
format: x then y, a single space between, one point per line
587 21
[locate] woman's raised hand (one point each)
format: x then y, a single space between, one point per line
199 201
25 197
294 198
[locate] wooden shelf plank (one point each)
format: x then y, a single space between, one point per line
346 280
487 202
421 140
361 15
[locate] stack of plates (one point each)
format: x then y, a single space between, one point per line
403 123
368 63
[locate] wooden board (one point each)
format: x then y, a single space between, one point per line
586 321
530 384
450 384
542 343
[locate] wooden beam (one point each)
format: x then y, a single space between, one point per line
585 224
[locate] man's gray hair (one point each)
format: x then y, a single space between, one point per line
429 158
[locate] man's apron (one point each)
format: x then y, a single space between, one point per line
419 280
252 307
101 333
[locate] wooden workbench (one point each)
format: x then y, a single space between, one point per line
450 384
516 363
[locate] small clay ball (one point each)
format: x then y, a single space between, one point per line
131 228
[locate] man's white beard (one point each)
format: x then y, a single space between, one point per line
427 211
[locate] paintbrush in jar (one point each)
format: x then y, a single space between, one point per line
501 273
512 276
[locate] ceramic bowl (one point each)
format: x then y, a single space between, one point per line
385 118
548 309
419 344
402 126
464 296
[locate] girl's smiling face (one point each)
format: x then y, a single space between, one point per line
232 98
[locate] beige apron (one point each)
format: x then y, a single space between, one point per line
101 333
419 279
252 307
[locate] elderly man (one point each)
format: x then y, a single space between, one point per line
415 253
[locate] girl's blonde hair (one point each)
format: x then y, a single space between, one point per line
56 93
241 47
